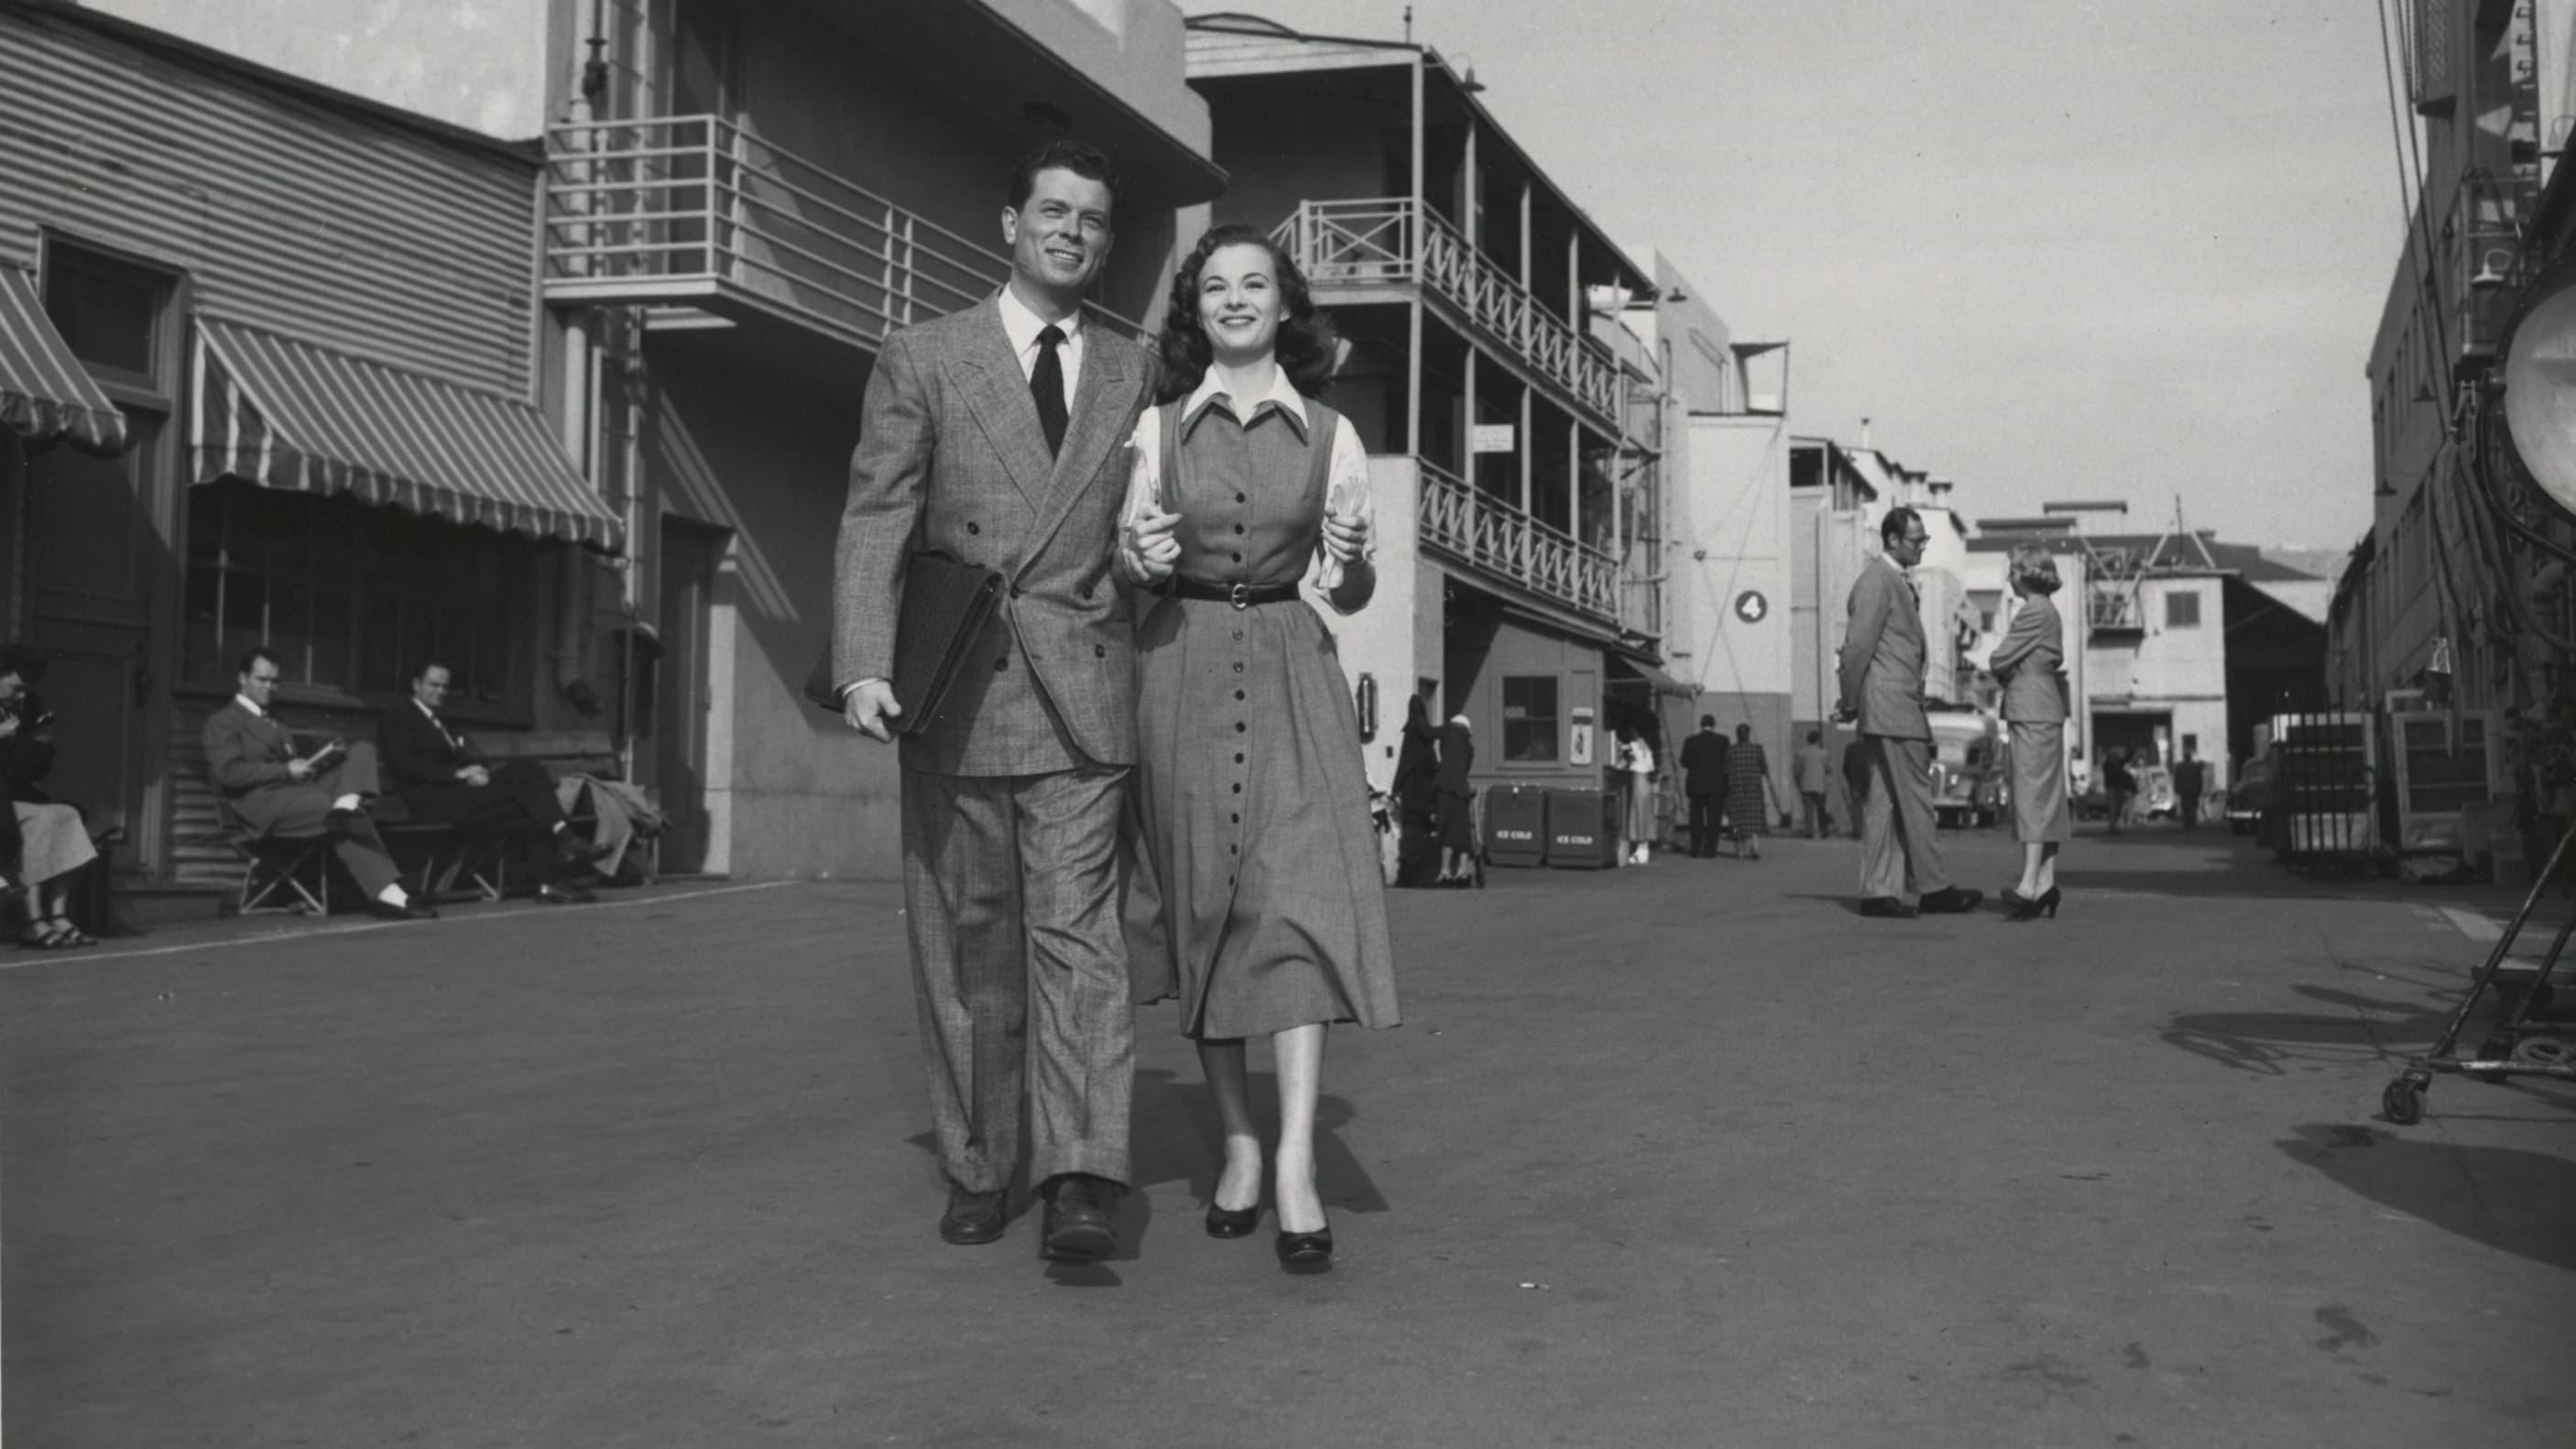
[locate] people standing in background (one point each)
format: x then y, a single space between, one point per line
1416 788
2028 662
1635 762
1704 786
2190 782
2120 783
1808 770
1748 794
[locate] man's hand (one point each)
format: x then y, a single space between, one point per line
1345 539
1152 550
299 769
870 705
475 775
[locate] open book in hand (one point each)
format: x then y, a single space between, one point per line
325 753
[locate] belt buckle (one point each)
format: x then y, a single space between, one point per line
1239 595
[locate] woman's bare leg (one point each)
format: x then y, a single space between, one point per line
1238 1180
1299 1052
2047 869
2029 884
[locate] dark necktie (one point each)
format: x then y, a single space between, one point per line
1046 385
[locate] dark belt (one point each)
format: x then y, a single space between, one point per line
1242 596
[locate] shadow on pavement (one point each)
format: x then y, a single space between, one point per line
2503 1197
2267 1043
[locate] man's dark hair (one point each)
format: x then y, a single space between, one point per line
1815 737
1088 162
430 663
1891 529
1743 732
256 653
1708 721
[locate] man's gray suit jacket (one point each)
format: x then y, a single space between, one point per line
951 458
1883 655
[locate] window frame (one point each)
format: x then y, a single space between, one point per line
1512 728
2177 596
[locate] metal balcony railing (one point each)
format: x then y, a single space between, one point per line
1473 528
695 209
1388 241
2114 607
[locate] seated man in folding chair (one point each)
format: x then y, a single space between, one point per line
445 780
277 793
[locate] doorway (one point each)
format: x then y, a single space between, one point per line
683 693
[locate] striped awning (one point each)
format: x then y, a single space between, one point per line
45 393
286 414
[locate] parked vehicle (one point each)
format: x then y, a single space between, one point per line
2249 797
1970 785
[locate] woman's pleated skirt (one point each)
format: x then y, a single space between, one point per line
56 841
2039 783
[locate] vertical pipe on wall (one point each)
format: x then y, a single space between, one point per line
1413 246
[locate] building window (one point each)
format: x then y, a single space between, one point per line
1529 718
352 597
2182 609
109 312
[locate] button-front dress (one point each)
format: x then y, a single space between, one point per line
1253 801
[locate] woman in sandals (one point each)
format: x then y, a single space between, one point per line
1249 778
44 845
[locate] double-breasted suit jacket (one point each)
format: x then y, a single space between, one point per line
1881 669
952 459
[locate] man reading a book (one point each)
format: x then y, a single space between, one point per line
280 787
995 436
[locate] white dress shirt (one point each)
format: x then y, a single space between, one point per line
255 711
1022 326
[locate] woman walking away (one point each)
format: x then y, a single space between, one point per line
1748 794
2028 662
1455 791
1416 788
1248 763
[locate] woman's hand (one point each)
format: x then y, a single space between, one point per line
1346 540
8 725
1151 549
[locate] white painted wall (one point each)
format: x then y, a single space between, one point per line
1732 531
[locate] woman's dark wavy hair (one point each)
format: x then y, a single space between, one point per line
1306 339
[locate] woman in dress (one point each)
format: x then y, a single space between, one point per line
1748 793
46 845
1255 805
2026 662
1454 794
1636 765
1416 788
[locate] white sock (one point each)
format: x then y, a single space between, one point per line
394 895
347 802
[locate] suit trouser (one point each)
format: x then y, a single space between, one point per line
1010 885
1812 802
1899 855
1705 811
305 809
519 806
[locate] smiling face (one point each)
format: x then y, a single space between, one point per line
1059 237
1240 303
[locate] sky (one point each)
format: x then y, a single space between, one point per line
2130 249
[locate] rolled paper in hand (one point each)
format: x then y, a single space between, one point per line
1343 502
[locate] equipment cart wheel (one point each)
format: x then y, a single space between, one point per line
2403 1102
2543 1051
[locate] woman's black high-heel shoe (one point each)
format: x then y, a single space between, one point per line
2045 903
1225 1222
1306 1252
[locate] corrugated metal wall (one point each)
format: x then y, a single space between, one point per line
286 213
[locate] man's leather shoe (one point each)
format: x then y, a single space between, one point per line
1077 1218
407 911
974 1217
570 850
1887 907
556 893
1952 901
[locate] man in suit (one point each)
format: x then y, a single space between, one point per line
2190 782
997 435
1812 774
274 791
441 778
1704 785
1882 686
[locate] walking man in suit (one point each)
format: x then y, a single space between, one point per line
440 777
1704 785
997 433
1882 686
275 792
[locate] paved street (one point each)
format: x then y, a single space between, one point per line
1683 1155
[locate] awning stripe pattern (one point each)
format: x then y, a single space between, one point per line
281 413
45 393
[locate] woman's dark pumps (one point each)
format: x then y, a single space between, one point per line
2045 903
1306 1252
1232 1222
